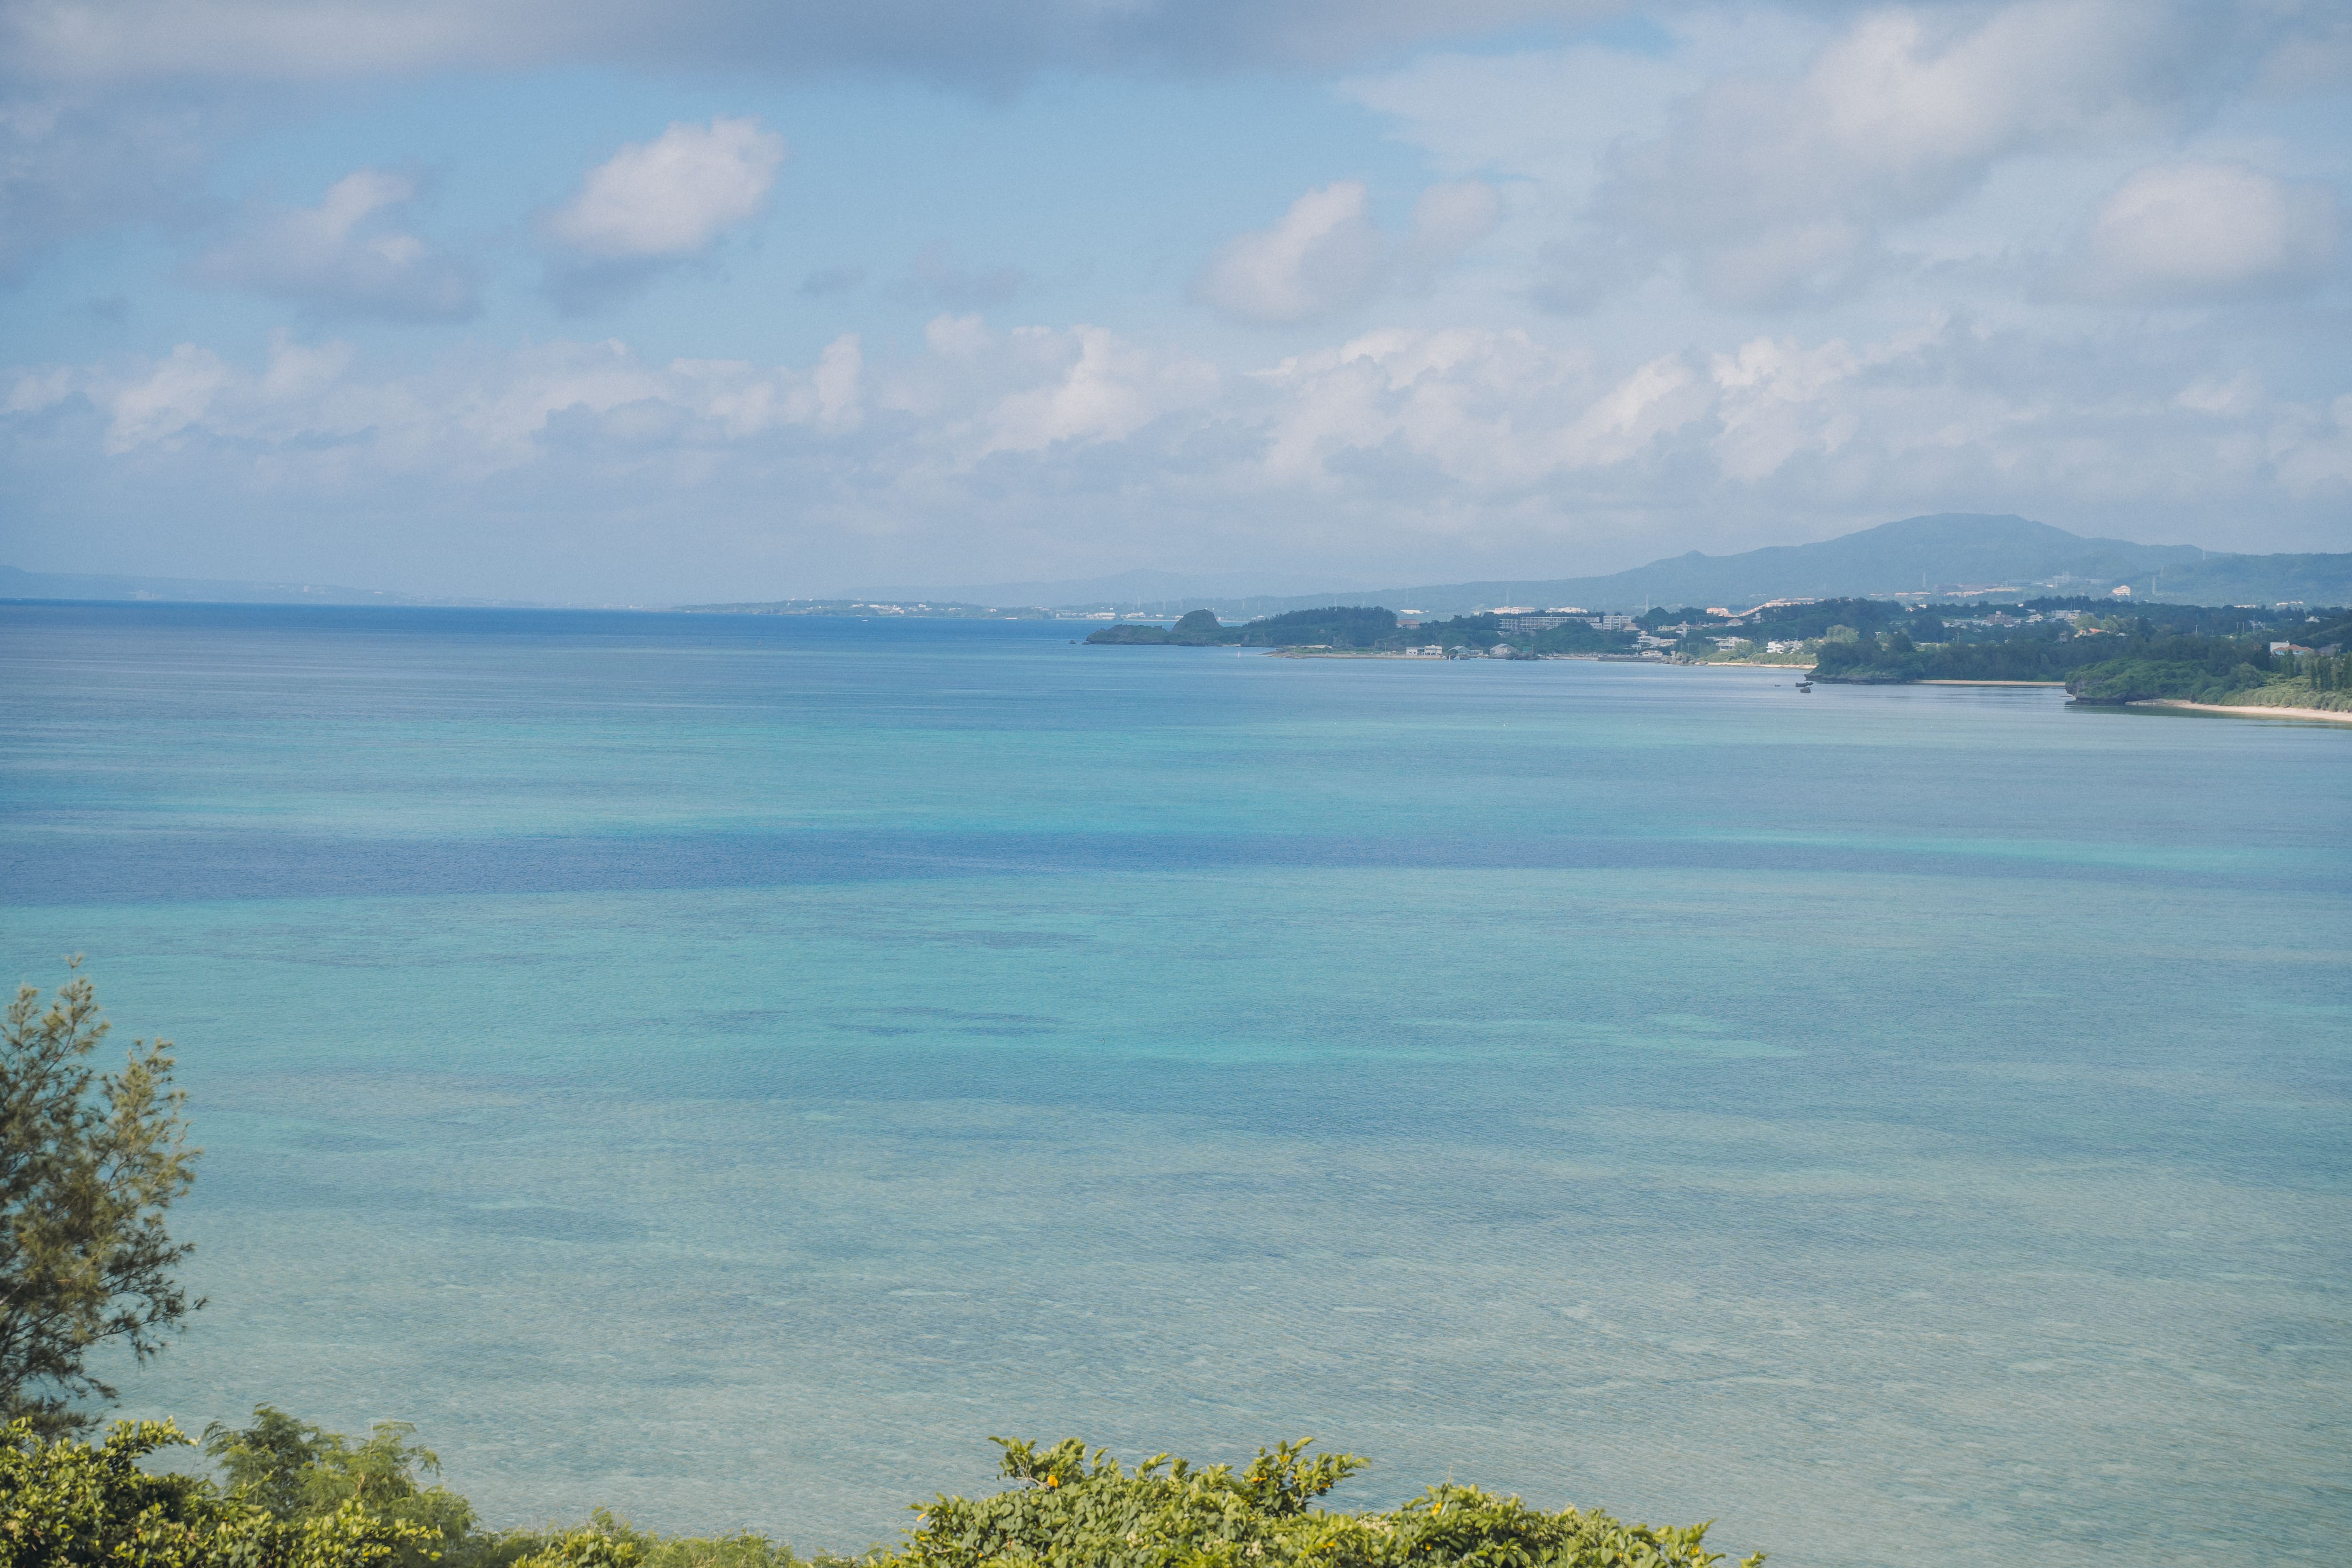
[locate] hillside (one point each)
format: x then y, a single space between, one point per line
1946 553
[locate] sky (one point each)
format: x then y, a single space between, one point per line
583 301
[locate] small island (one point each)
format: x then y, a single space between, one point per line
1361 630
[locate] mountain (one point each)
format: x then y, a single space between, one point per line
1946 553
20 585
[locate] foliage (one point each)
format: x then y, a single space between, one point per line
1339 625
1075 1508
65 1502
88 1167
301 1496
1870 658
2139 679
294 1470
297 1472
609 1541
1199 628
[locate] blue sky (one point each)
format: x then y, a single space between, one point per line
603 303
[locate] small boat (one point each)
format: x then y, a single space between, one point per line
1806 684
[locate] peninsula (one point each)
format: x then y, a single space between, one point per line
2286 660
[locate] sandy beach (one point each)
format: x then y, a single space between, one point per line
2325 715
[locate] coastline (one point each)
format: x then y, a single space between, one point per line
2325 715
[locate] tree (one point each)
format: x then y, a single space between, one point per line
1074 1507
267 1462
88 1166
65 1503
298 1471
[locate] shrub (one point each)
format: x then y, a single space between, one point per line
65 1503
1079 1508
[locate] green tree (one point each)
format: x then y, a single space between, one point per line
1075 1507
267 1463
65 1503
301 1472
88 1167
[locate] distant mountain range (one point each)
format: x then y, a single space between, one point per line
1947 553
1950 552
20 585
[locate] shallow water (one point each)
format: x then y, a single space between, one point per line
724 1069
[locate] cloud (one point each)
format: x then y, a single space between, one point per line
1771 191
75 163
672 196
990 43
2208 230
1411 450
654 205
1326 255
347 256
975 393
1448 219
936 277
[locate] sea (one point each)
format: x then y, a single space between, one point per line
727 1069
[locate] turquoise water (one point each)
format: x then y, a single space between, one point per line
725 1068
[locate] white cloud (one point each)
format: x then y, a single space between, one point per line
2205 229
1777 189
1462 451
1481 412
976 392
349 255
172 396
1094 388
672 196
1326 255
1448 219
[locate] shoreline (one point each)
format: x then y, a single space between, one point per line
2325 715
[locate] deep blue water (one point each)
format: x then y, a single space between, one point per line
726 1067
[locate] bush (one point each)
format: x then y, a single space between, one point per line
1077 1508
65 1503
2139 680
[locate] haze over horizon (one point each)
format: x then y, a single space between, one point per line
524 301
